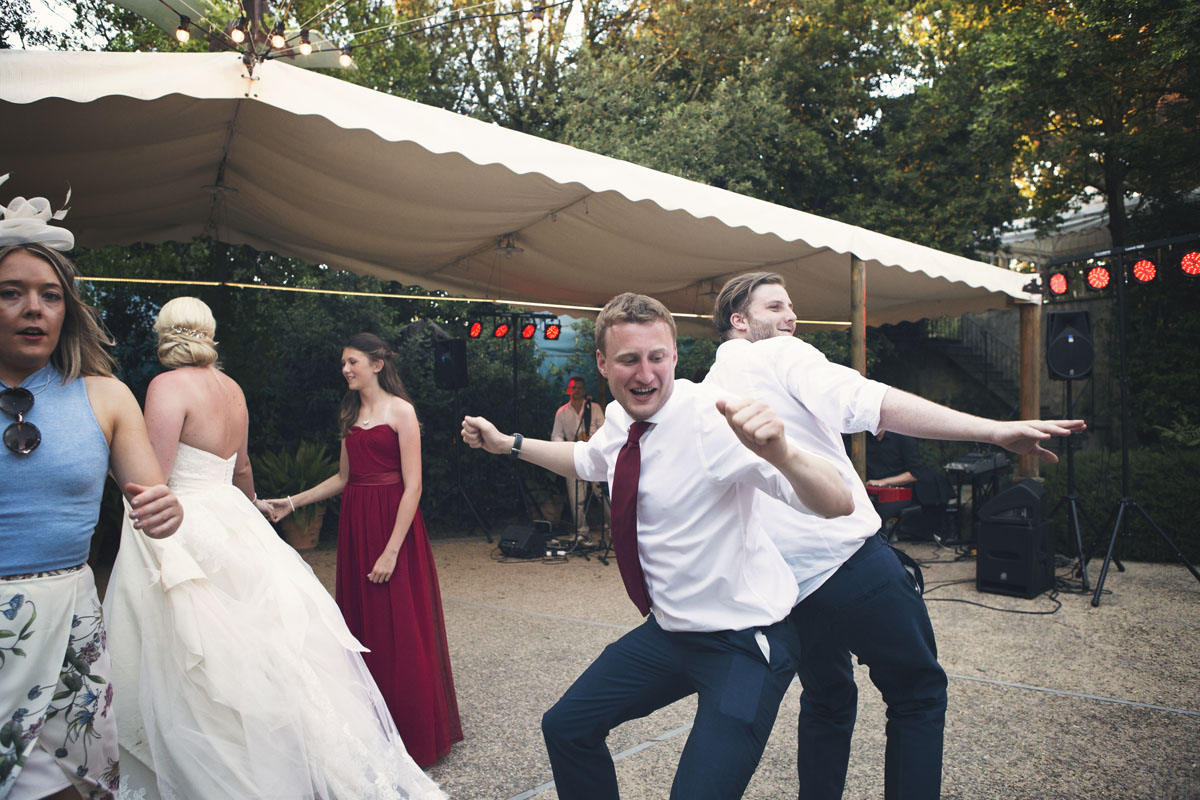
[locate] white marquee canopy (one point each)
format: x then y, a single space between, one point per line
161 146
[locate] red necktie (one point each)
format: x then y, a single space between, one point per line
624 517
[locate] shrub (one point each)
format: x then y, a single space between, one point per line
1160 480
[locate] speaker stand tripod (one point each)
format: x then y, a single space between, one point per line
458 475
1127 502
596 492
1074 507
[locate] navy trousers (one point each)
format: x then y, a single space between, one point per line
649 668
869 608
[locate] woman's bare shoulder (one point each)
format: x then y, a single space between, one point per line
105 387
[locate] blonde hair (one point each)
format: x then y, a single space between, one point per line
185 328
630 307
81 342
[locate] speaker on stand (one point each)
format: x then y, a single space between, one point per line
1070 355
450 363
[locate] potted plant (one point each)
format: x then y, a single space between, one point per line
281 473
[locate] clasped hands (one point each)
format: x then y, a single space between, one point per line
275 509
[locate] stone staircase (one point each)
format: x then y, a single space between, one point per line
993 363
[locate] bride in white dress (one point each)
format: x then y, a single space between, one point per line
235 675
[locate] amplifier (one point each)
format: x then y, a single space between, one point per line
525 541
1015 560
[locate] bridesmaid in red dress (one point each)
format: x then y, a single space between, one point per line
387 584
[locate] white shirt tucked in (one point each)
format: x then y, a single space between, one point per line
818 401
708 563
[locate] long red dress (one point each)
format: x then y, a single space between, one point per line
400 621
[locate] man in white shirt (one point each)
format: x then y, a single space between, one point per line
575 421
716 586
855 596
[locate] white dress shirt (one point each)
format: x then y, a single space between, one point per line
817 401
708 563
567 422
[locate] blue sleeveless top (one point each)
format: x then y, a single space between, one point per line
50 499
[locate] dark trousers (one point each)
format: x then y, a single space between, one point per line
649 668
871 609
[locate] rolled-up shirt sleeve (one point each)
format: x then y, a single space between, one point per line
838 396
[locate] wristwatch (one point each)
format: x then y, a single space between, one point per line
516 448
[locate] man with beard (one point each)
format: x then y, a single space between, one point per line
855 595
693 556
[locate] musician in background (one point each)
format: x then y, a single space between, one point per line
891 459
575 421
892 463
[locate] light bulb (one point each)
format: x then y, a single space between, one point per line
537 22
182 33
277 40
238 34
305 44
345 59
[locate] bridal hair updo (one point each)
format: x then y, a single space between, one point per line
185 328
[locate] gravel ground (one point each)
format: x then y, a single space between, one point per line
1047 701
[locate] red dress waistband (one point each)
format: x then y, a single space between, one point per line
376 479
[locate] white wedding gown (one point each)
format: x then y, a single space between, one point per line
234 673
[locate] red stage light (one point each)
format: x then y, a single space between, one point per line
501 330
553 331
1191 263
528 330
1058 283
1098 277
476 330
1144 270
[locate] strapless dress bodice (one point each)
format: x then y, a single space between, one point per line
199 469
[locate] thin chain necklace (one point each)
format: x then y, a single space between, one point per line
49 377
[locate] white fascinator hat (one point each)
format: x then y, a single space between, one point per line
28 222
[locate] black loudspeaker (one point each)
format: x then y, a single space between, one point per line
449 363
1016 543
1069 350
1019 504
525 541
1016 560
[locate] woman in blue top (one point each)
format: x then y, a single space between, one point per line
69 423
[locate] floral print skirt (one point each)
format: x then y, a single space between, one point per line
54 680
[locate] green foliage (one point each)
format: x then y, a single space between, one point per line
1161 480
1099 93
284 349
1162 328
280 473
18 28
1182 432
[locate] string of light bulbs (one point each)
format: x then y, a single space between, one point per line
282 44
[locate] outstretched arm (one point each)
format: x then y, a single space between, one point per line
915 416
280 507
816 481
557 457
